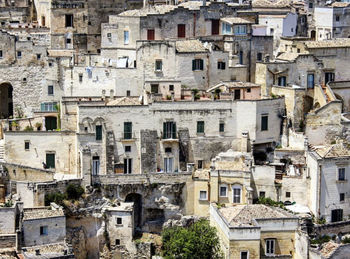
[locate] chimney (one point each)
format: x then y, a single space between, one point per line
244 141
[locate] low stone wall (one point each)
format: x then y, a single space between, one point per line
333 228
142 178
8 241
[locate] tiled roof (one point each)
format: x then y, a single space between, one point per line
236 20
55 250
233 84
157 9
332 151
243 215
288 56
124 101
267 3
340 4
190 46
43 212
336 43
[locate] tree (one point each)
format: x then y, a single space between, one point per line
197 241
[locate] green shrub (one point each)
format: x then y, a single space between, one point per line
320 240
346 240
74 191
56 197
28 128
268 201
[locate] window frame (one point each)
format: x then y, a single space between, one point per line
342 197
98 132
200 127
264 127
48 154
206 195
119 221
226 191
245 251
127 149
197 64
169 130
221 65
234 195
221 127
1 54
44 230
71 20
158 65
127 130
126 37
50 90
26 145
273 247
341 170
310 84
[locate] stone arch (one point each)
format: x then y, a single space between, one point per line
136 198
6 102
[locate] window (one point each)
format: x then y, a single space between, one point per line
128 93
126 37
221 65
262 194
272 31
26 145
117 242
98 132
19 54
43 231
127 165
95 165
69 20
127 130
329 77
311 5
150 35
197 64
270 247
282 81
119 221
226 28
221 127
287 194
154 88
244 255
50 89
203 195
171 87
241 57
0 53
240 29
68 41
50 160
310 80
237 190
248 90
264 122
109 36
259 56
341 174
215 26
337 18
298 50
200 164
38 56
223 190
168 164
168 150
337 215
342 197
169 130
43 22
127 148
200 126
80 78
237 94
181 30
159 65
48 107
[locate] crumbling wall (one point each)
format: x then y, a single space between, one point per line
148 151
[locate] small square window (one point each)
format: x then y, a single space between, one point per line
80 78
203 195
171 87
128 93
109 35
159 65
168 150
50 89
24 79
342 197
200 164
38 56
249 90
154 88
262 194
119 221
127 148
26 145
19 54
68 41
221 65
117 242
287 194
43 231
50 64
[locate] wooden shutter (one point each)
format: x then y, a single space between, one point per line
193 65
201 64
164 130
150 35
215 24
50 160
98 132
174 130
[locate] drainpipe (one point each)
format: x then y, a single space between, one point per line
194 24
319 191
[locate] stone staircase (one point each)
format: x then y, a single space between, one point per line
2 150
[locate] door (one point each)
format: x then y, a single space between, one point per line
215 24
150 34
310 81
237 94
168 164
50 123
95 165
127 165
181 30
50 160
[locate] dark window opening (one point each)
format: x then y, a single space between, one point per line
259 56
98 132
341 174
117 242
342 197
26 145
50 160
215 25
127 165
127 148
128 93
119 221
69 20
287 194
200 164
127 130
262 194
171 87
264 122
154 88
19 54
50 90
329 77
221 65
150 35
169 130
181 30
241 57
221 127
337 215
200 126
282 81
38 56
168 150
237 94
43 231
197 64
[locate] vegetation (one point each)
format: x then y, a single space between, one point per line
73 192
346 240
320 240
28 128
270 202
197 241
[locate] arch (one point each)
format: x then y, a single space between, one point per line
137 200
6 102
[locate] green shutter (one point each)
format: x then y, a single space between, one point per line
164 130
201 64
98 132
193 65
127 130
174 130
50 160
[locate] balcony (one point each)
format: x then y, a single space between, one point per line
169 136
127 137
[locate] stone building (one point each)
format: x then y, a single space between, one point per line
255 231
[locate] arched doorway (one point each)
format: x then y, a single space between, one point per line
6 103
137 200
